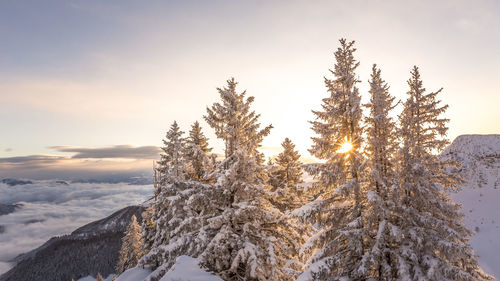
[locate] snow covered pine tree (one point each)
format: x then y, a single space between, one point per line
171 166
179 208
338 209
286 194
199 162
381 225
131 250
252 239
434 245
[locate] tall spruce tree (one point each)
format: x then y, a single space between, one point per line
434 245
379 219
171 166
252 239
338 208
132 249
199 162
285 178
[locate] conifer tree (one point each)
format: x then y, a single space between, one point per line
379 220
434 245
99 277
252 239
197 155
171 166
338 209
148 228
285 178
132 249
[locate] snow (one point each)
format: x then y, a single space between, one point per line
134 274
90 278
480 194
187 269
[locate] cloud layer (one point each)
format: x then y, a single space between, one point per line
116 151
51 209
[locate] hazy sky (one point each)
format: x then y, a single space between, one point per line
103 74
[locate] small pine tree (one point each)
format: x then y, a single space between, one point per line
434 244
171 166
132 249
339 204
99 277
285 178
199 164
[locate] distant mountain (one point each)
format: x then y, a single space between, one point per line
480 194
90 249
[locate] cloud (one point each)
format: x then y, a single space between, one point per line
116 151
85 162
55 209
31 159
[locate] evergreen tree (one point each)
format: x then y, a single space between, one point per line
99 277
252 239
434 245
338 207
285 178
172 163
181 212
148 228
132 249
197 155
379 219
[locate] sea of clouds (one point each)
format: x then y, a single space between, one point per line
51 209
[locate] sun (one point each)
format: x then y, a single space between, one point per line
345 146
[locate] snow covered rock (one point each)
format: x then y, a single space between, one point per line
480 194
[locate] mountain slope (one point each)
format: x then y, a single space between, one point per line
480 194
89 249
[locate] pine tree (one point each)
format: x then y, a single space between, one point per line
338 209
434 245
197 155
99 277
285 178
148 228
252 239
178 220
172 163
379 219
132 249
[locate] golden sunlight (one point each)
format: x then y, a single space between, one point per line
345 146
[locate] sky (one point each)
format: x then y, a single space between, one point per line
88 85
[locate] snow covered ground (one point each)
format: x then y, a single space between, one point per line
51 208
480 194
185 269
